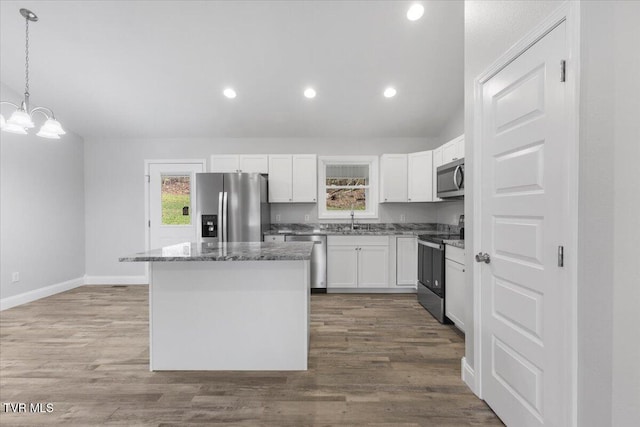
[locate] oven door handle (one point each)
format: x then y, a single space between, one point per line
431 245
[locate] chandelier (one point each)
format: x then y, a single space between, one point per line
22 118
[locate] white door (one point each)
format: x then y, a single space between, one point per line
254 163
420 177
373 266
342 267
280 174
305 178
172 203
524 219
224 163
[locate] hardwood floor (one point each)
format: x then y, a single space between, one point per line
374 360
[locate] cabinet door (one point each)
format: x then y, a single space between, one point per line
421 177
393 178
454 293
342 267
437 161
258 163
305 178
373 266
225 163
406 261
280 178
453 150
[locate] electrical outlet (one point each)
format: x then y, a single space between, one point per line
278 218
306 218
403 218
15 277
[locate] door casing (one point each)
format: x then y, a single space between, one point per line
568 12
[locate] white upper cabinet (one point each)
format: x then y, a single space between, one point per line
437 161
239 163
393 178
453 150
420 177
305 178
225 163
258 163
293 178
280 178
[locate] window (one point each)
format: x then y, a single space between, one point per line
348 183
176 199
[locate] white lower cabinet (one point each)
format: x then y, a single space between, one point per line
357 262
454 272
342 267
373 266
406 261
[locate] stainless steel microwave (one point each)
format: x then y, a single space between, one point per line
451 180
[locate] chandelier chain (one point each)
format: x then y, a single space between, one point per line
26 62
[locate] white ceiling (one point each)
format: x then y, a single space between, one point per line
128 69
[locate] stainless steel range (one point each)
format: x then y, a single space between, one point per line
431 280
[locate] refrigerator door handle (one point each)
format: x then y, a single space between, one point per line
220 235
225 212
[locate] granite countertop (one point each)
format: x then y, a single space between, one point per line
367 229
231 251
455 243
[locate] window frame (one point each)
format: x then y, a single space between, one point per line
372 197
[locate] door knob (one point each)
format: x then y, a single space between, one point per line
480 257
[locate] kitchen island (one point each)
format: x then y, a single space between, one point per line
228 306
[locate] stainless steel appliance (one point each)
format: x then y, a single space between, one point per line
231 207
318 259
451 180
431 280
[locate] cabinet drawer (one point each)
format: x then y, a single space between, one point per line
357 240
274 238
454 254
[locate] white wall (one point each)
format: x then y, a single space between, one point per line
114 176
41 208
609 216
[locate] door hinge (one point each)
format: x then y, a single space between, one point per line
560 256
149 224
563 70
148 178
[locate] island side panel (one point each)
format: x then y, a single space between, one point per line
236 315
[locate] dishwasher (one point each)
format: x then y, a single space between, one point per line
318 259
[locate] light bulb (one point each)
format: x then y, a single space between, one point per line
229 93
310 93
390 92
415 12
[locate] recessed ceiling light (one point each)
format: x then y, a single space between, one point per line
229 93
390 92
415 12
310 92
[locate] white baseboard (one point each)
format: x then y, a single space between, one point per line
469 376
116 280
36 294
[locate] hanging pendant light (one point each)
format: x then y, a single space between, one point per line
22 118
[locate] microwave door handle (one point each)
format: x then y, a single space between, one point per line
455 177
461 177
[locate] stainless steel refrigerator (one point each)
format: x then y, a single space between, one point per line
231 207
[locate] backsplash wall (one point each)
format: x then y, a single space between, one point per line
387 212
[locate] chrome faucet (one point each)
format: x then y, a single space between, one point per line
352 218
